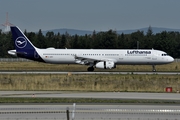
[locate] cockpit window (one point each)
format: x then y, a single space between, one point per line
164 54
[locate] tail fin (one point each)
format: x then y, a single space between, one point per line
21 42
24 48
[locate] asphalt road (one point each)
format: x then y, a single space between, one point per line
90 112
104 95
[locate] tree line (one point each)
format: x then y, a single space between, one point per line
165 41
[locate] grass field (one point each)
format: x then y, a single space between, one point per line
129 82
85 100
135 83
175 66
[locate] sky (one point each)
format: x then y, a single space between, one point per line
99 15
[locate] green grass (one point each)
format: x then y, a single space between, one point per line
109 83
104 83
175 66
82 100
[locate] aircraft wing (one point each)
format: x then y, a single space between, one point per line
86 60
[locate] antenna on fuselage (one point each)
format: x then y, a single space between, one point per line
137 44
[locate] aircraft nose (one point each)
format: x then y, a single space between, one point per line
170 59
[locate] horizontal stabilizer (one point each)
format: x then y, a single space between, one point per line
14 53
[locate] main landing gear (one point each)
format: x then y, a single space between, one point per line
154 69
90 69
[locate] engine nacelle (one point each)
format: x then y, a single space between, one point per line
105 65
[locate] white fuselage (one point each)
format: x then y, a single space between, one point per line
124 56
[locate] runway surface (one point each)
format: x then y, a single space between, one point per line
90 112
102 95
80 73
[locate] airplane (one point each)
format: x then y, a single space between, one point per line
94 58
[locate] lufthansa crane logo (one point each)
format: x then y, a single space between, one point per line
21 42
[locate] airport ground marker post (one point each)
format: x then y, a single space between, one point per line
73 112
67 113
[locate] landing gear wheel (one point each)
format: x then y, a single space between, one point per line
154 69
90 69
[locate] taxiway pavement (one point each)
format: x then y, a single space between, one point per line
102 95
90 112
91 73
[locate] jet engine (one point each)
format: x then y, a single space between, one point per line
105 65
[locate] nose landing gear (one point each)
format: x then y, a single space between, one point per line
154 69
